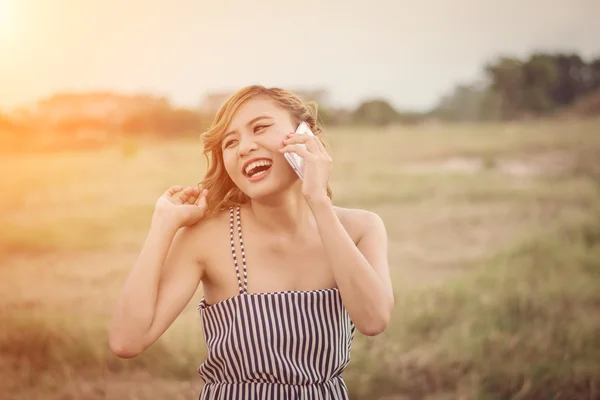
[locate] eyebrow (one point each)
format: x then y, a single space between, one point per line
253 120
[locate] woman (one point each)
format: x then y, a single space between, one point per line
278 323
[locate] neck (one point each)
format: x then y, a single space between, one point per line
287 213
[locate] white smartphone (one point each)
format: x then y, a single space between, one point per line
295 161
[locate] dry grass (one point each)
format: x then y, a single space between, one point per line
523 324
492 247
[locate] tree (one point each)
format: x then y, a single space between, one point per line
469 103
572 79
594 75
375 112
507 80
543 83
539 77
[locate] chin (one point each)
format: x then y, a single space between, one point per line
271 184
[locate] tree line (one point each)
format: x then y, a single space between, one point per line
544 84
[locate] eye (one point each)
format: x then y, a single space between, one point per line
258 128
229 143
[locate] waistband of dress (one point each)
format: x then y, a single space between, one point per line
332 380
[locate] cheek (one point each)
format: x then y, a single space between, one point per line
274 140
229 161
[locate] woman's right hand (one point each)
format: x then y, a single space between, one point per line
181 207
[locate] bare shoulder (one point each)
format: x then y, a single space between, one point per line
359 222
197 238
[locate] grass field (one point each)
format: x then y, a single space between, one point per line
494 248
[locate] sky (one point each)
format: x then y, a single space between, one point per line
407 52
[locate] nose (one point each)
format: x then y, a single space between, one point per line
247 145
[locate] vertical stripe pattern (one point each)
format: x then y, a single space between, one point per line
279 345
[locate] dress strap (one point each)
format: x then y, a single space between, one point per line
243 287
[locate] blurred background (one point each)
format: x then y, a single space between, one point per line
472 128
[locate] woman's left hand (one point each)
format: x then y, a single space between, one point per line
317 164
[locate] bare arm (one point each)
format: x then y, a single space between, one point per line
361 271
161 283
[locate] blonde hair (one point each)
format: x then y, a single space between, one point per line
222 192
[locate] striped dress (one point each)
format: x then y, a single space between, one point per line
279 345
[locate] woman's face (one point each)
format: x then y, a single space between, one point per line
251 146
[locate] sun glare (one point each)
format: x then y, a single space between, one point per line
6 18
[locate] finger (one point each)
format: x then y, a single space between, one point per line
202 200
198 190
173 189
296 148
185 195
321 146
202 194
318 144
293 139
313 143
194 196
313 146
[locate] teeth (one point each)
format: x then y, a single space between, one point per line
257 164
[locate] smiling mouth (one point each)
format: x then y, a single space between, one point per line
257 168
